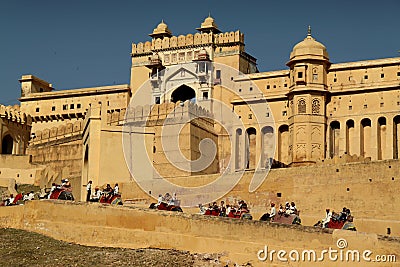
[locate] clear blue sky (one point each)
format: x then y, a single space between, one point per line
74 44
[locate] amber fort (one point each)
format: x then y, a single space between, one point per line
329 136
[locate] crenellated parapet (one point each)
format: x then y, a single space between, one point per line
344 159
187 41
13 113
115 116
56 133
151 115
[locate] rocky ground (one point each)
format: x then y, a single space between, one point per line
22 248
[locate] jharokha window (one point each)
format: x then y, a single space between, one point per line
301 106
315 106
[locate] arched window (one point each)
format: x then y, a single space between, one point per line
365 138
251 148
301 106
315 106
268 146
283 144
381 138
350 137
396 137
334 138
238 152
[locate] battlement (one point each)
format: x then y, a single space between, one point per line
56 133
190 40
345 158
152 114
13 113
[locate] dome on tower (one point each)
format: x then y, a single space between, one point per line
209 25
309 48
161 30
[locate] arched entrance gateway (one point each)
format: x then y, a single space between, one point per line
183 93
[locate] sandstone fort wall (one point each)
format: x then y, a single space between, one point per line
239 240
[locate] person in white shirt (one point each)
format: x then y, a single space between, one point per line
160 199
10 200
327 218
228 209
53 187
116 189
96 195
273 211
173 199
29 196
88 191
293 208
202 209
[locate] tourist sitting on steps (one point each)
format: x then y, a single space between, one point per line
96 195
202 209
108 191
173 200
116 189
269 216
160 199
167 198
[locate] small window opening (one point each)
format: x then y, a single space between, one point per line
218 74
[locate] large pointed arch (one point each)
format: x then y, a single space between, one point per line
183 93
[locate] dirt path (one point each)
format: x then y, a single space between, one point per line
22 248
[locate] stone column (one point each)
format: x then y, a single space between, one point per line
259 150
342 138
356 138
374 139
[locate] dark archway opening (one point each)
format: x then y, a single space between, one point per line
7 145
183 93
334 138
251 148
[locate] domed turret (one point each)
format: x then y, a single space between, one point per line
209 25
309 48
161 31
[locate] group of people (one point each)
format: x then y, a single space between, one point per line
108 192
65 185
14 200
223 210
343 216
168 199
287 209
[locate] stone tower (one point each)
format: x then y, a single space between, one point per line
309 64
